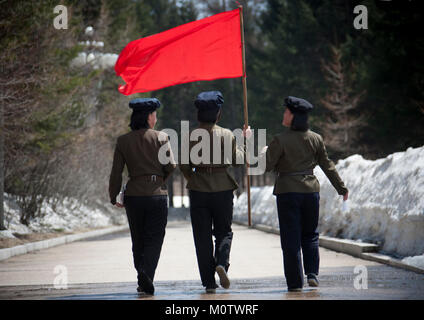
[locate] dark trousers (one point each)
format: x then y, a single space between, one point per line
147 218
298 217
211 214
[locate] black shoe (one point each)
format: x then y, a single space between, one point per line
295 289
211 288
140 291
313 280
145 284
223 277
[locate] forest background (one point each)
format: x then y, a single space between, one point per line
59 123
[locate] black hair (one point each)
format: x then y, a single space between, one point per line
208 115
300 122
139 120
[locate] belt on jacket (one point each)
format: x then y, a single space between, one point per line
148 177
210 169
297 173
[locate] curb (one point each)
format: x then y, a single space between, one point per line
381 258
48 243
351 247
362 250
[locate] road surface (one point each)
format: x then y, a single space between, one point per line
102 268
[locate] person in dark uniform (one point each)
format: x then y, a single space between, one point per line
145 196
293 154
211 195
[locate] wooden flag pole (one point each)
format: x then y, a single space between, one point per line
246 119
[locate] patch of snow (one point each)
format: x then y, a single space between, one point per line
6 234
263 207
68 215
386 202
385 206
416 261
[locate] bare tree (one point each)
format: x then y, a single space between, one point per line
342 125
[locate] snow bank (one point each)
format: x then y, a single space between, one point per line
70 215
386 203
417 261
66 216
263 207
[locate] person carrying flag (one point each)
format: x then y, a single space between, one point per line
211 195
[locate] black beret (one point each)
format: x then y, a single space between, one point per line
209 100
145 104
297 104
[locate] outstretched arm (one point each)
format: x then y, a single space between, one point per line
330 170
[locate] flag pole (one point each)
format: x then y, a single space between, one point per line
246 119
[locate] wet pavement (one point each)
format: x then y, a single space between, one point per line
383 283
101 269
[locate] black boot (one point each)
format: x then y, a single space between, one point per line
211 288
145 284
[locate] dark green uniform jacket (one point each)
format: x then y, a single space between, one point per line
217 180
297 151
138 150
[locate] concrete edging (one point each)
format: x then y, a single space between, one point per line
381 258
366 251
7 253
351 247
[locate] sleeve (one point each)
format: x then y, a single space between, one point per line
273 154
115 180
171 165
330 169
238 153
186 168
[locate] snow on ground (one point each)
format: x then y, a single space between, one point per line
66 216
69 216
263 207
416 261
385 206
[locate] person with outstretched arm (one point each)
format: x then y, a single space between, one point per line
293 154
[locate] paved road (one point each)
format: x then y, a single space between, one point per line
102 268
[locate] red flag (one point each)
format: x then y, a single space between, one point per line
205 49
